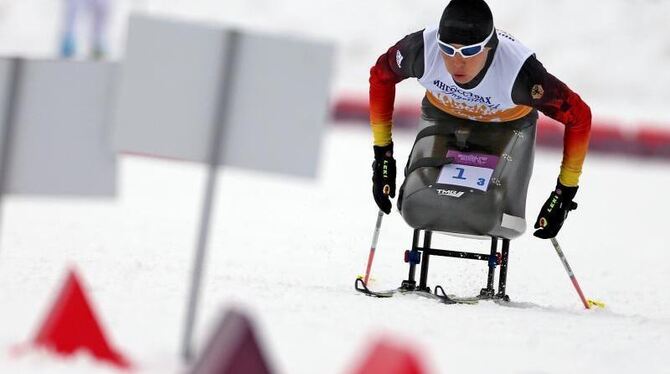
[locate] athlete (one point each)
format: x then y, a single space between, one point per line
99 11
473 71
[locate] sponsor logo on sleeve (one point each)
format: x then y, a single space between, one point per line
398 58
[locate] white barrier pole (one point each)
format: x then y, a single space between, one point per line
226 83
7 126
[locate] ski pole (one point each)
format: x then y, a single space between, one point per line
375 237
587 303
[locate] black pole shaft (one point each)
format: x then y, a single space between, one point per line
492 263
425 261
502 282
218 128
456 254
412 265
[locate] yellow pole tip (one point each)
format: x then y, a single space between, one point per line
596 303
362 277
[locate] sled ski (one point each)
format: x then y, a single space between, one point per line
421 255
443 298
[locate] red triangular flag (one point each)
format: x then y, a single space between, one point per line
389 358
233 349
71 325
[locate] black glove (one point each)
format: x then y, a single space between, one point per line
554 211
383 177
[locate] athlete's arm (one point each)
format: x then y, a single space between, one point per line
535 87
403 60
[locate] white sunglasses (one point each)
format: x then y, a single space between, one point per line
465 51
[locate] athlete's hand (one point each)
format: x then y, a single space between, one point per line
554 211
383 177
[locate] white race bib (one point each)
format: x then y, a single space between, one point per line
471 170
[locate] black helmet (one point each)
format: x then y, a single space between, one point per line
465 22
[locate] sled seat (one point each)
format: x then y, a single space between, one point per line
468 178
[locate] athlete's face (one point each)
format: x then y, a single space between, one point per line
463 70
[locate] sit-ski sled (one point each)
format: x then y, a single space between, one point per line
421 256
463 178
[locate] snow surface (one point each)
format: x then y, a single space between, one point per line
287 251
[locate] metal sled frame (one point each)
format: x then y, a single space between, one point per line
421 255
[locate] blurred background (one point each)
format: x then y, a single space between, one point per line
613 54
287 250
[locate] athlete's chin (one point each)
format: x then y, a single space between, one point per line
461 78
